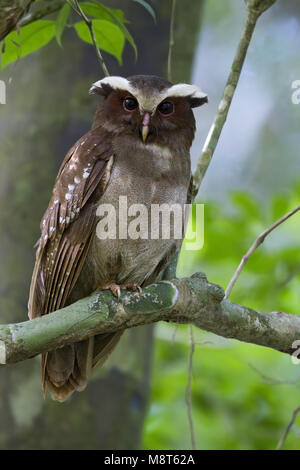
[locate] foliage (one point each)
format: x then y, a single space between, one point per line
109 27
243 395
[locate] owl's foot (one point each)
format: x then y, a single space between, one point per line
116 288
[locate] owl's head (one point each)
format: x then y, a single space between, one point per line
147 107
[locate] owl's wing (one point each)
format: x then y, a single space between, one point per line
69 222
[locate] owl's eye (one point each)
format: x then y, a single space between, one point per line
166 108
130 104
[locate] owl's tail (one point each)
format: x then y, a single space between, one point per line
69 369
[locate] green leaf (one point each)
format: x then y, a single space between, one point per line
31 38
61 22
102 12
280 206
108 36
148 8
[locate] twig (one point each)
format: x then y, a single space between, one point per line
272 380
89 24
11 12
287 429
259 240
171 40
254 10
188 392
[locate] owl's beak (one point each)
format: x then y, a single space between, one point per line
145 126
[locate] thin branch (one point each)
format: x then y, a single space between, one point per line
254 9
188 392
287 429
75 5
171 40
194 300
259 240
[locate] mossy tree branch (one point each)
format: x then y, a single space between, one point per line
191 300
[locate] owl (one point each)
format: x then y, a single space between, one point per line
138 148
